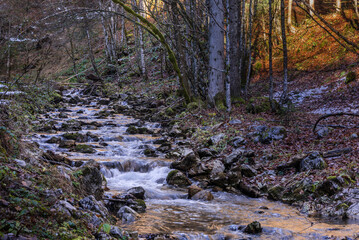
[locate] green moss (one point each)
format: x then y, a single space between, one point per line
220 101
171 174
343 206
192 106
351 77
170 112
261 104
141 203
132 130
83 148
71 136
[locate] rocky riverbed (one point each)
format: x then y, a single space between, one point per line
159 184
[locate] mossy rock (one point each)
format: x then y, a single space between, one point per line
71 136
56 98
83 148
275 193
260 105
132 130
220 101
177 178
141 203
351 77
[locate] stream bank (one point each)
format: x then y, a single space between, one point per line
133 153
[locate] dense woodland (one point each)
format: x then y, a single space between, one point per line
254 98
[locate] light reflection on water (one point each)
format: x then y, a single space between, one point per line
168 210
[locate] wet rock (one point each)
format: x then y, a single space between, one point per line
322 132
78 137
176 132
83 148
203 195
253 228
248 190
353 211
162 140
104 101
135 130
192 190
53 140
329 187
313 161
248 171
91 179
127 215
294 162
90 203
214 140
63 115
71 125
354 136
237 142
138 192
67 143
177 178
165 147
74 100
188 161
150 152
275 193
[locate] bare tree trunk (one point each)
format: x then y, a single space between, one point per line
228 61
249 49
290 9
356 8
216 52
242 45
284 96
8 62
233 50
142 50
338 5
270 56
123 39
91 55
311 4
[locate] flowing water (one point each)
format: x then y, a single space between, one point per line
168 211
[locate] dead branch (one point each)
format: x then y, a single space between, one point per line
333 115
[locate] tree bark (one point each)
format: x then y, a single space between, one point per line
233 50
216 52
284 96
228 47
270 56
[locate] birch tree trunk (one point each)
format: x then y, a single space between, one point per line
311 4
290 9
216 53
91 55
142 50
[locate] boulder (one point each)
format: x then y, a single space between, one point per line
67 143
177 178
138 192
214 140
237 142
65 208
275 193
188 161
253 228
234 157
53 140
353 211
206 152
127 215
71 125
90 203
322 132
313 161
203 195
248 171
83 148
91 179
192 190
